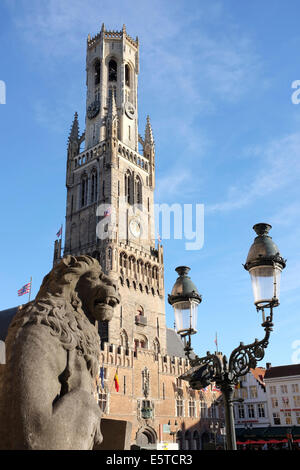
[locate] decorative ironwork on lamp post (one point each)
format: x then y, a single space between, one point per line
264 264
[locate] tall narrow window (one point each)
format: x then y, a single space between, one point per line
128 187
97 72
138 190
102 400
84 188
127 75
179 407
94 186
112 70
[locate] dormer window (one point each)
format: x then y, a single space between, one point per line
112 71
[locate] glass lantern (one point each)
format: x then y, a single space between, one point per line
265 285
265 265
185 299
186 316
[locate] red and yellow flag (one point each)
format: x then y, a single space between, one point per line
116 379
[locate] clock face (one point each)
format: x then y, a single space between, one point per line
135 228
129 110
93 109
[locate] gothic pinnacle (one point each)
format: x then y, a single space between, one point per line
74 133
148 132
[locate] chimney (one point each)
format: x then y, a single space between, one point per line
268 365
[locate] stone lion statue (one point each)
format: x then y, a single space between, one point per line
47 396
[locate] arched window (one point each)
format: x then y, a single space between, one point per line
112 71
140 341
84 190
97 71
138 190
127 75
123 260
192 408
147 269
124 339
179 406
156 346
94 184
127 183
140 310
154 272
187 436
132 263
179 440
196 440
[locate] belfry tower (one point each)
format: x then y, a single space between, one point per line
110 186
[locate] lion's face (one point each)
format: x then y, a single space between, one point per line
98 294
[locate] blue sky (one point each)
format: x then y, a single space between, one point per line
215 78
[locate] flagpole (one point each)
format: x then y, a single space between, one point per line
30 289
61 239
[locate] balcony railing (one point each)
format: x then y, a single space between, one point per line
146 413
140 320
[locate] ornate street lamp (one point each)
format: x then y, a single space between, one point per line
174 432
264 264
185 299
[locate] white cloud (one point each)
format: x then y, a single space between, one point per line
278 166
172 184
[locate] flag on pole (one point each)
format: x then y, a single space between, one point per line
239 385
116 380
59 233
216 341
107 212
25 289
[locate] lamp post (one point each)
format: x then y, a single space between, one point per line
264 264
174 432
214 428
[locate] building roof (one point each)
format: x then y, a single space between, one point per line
259 373
175 345
282 371
5 319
